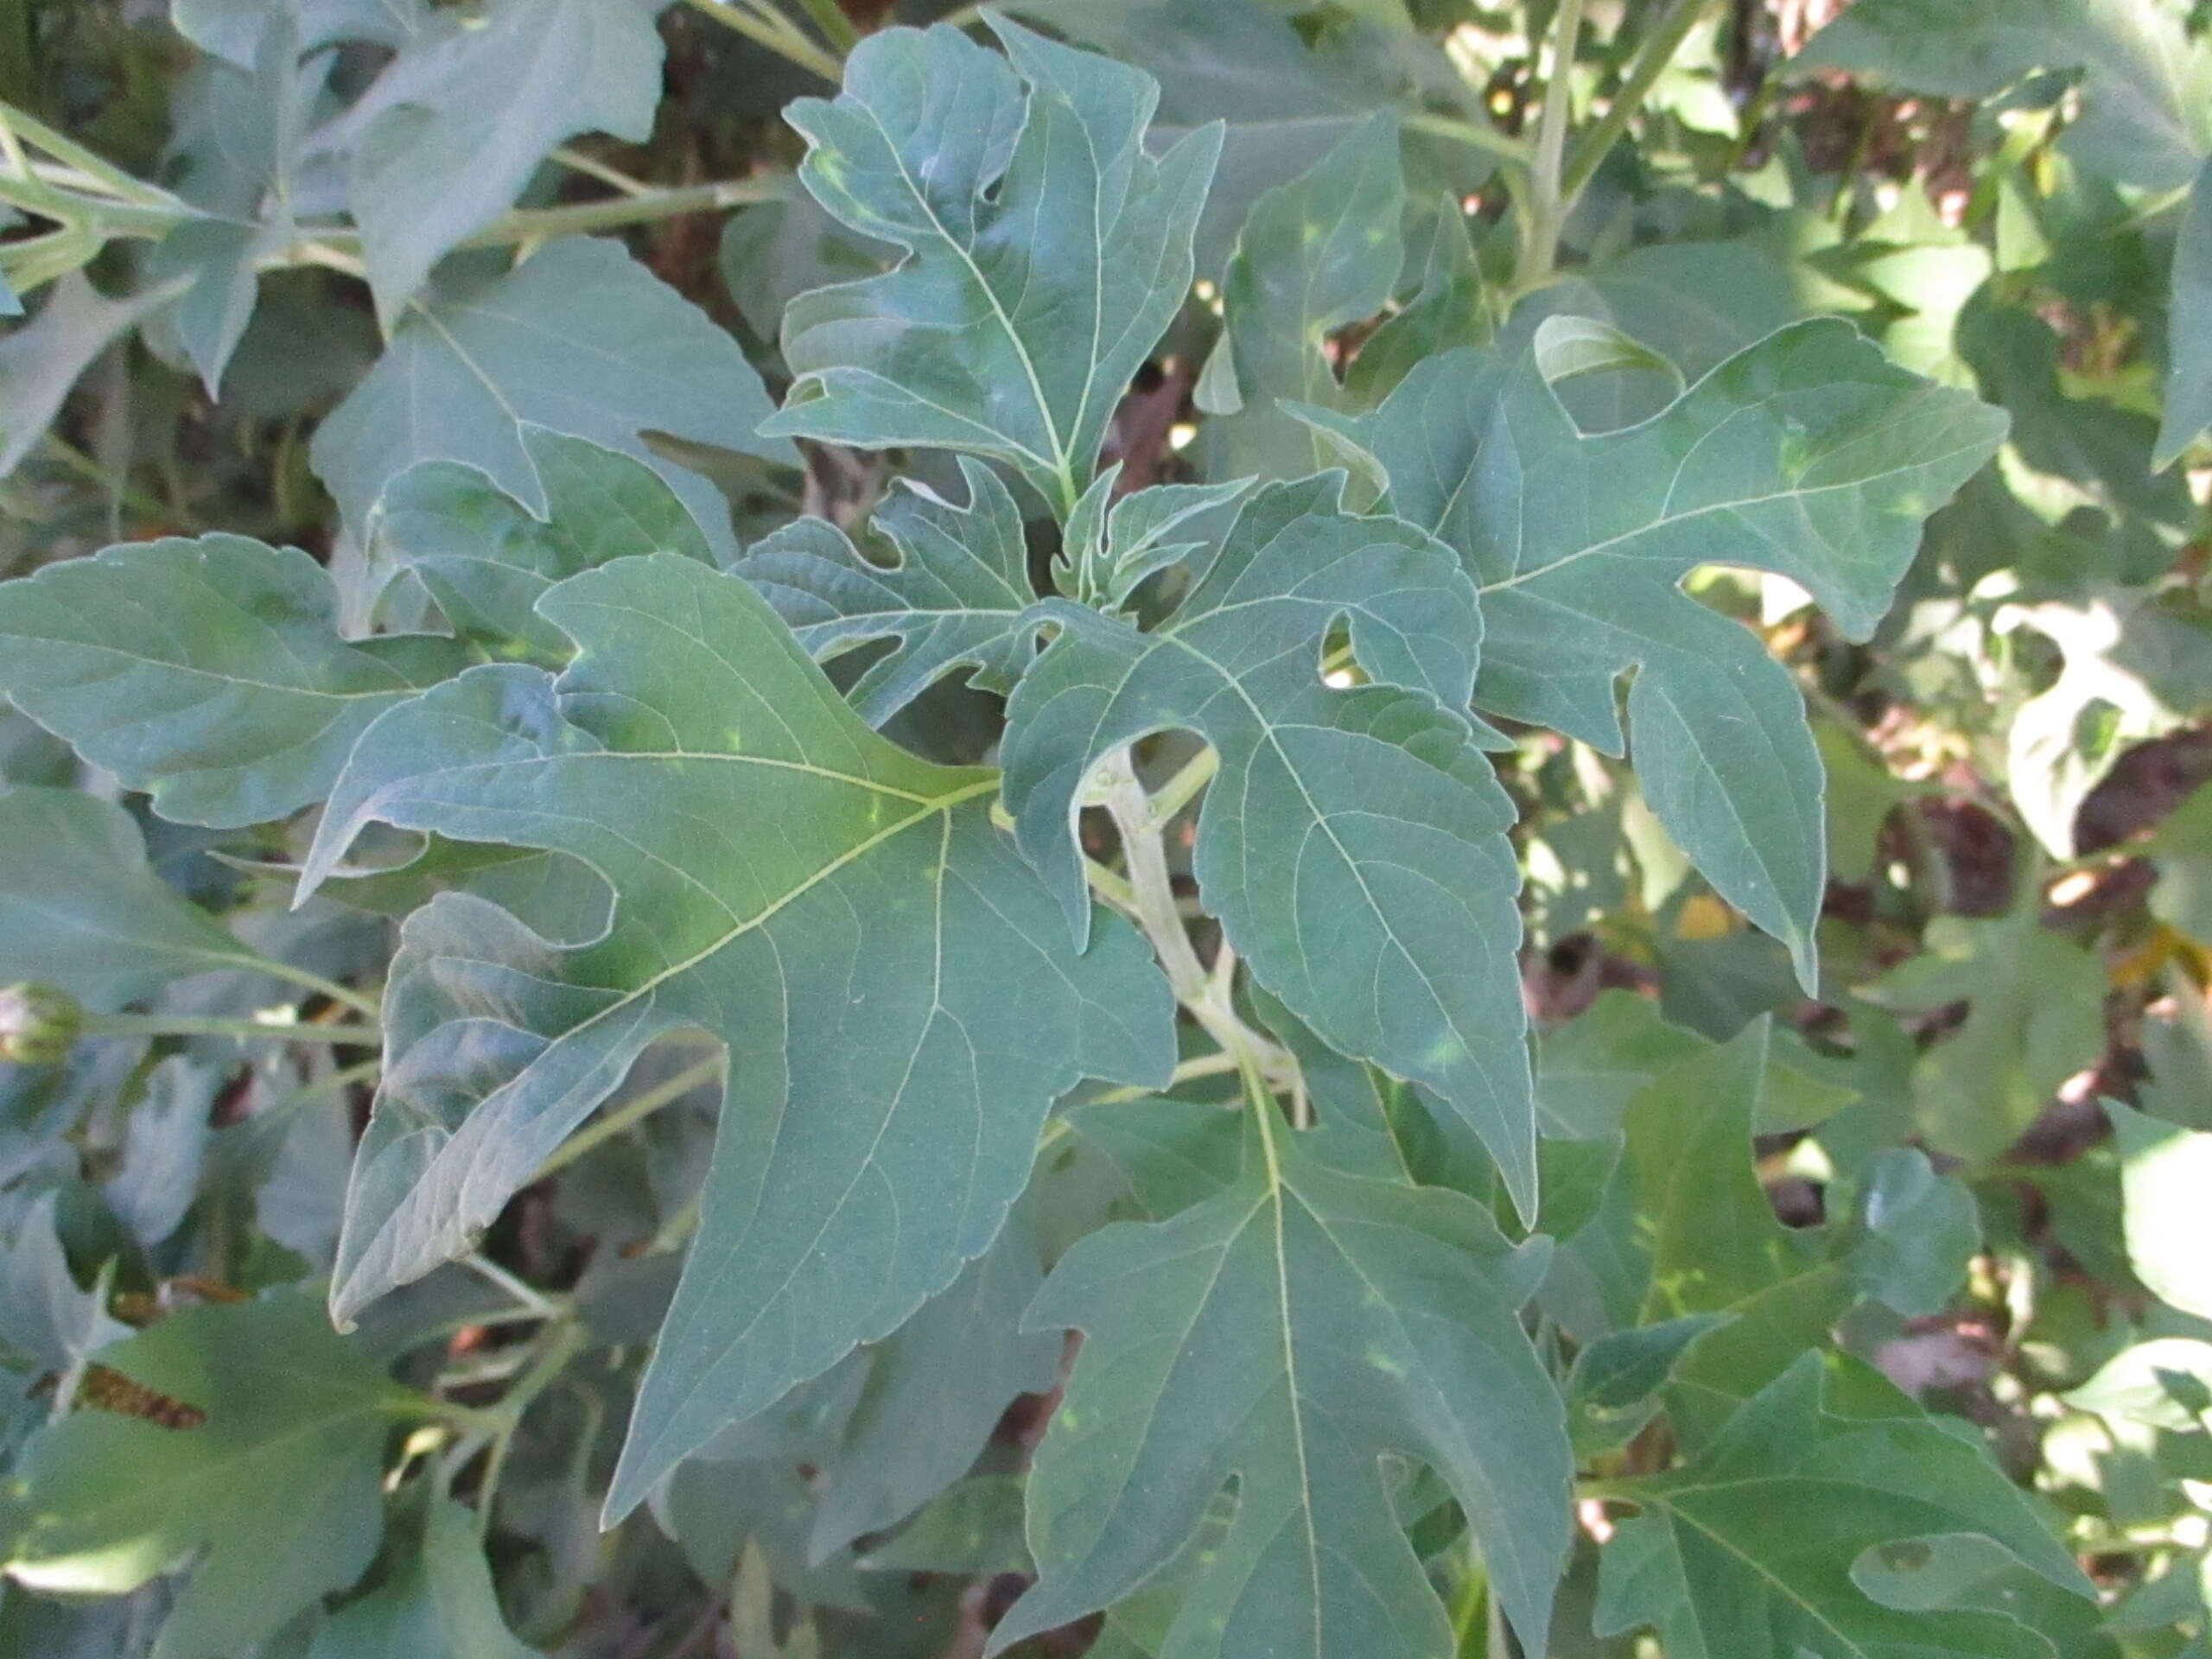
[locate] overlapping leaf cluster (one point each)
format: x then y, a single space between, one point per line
977 1015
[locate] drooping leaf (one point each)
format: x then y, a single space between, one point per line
2188 408
2146 88
1352 844
1315 254
258 1451
210 673
2164 1169
1046 252
237 148
935 1391
579 338
40 360
485 558
2034 1018
953 600
437 159
900 1005
1756 1547
159 1176
49 1328
440 1605
1806 454
80 908
1290 1335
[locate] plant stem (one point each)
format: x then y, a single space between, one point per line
164 1025
631 1112
341 1079
1476 135
1546 212
842 33
779 36
359 1001
1651 61
1179 790
1206 1000
1205 1065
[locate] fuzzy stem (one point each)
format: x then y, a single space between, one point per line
1548 204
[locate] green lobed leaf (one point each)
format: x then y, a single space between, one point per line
1046 252
1754 1547
954 600
453 129
2034 1016
40 360
80 908
900 1005
485 558
1315 254
1921 1230
1352 844
1290 1335
579 338
209 673
277 1404
1806 454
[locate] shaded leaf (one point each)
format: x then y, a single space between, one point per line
1921 1229
437 160
81 908
2188 408
901 1004
440 1605
158 1179
40 360
284 1405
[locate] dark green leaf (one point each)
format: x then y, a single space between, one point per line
440 1605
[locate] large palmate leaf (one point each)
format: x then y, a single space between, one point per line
2146 91
486 557
901 1002
437 159
1771 1542
580 339
1290 1335
209 673
954 600
1046 252
1806 454
1353 845
255 1446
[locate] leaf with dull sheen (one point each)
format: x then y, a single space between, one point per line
900 1000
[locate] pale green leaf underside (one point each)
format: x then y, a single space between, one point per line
1807 454
898 995
1288 1336
1353 843
1752 1548
1046 252
2164 1169
209 673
